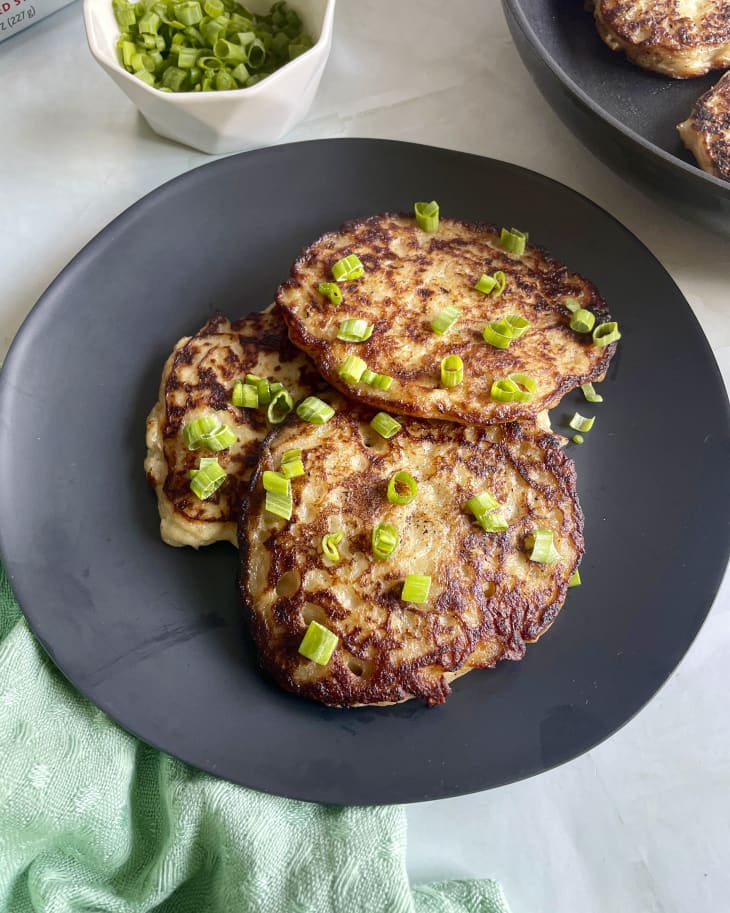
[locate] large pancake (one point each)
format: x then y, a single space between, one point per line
197 380
487 599
411 276
679 38
706 132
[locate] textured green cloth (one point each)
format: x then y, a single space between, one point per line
93 820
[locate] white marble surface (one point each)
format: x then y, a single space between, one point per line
642 823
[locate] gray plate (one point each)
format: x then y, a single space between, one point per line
153 635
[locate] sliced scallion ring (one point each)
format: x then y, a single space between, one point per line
313 410
445 320
292 469
402 488
517 323
352 369
491 285
381 381
368 377
294 454
606 333
575 580
504 391
416 588
427 215
385 425
280 406
582 321
384 541
498 333
452 371
543 549
318 644
245 396
526 386
330 541
580 423
571 304
493 522
348 268
194 432
332 291
276 482
208 479
279 505
577 439
355 330
513 240
590 393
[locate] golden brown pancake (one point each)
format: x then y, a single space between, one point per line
198 380
706 132
679 38
410 277
487 598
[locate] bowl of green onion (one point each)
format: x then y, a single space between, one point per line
214 74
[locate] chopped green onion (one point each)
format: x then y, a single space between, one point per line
330 290
329 545
581 423
245 396
590 393
347 268
385 425
384 541
416 588
543 549
368 376
398 482
516 387
280 406
452 371
513 240
485 508
208 479
575 580
278 504
582 321
572 305
208 432
292 469
381 381
294 454
577 439
427 215
313 410
606 333
318 644
498 333
351 369
353 329
517 324
492 285
445 320
276 482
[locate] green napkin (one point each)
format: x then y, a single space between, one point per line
93 820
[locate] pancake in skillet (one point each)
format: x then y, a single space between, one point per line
410 277
198 380
487 599
706 132
679 38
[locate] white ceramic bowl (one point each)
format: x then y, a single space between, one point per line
217 122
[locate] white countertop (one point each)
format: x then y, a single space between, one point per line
642 823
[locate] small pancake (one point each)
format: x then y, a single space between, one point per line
198 380
487 599
706 132
679 38
410 277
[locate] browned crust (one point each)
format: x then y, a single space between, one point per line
509 618
659 36
706 132
555 283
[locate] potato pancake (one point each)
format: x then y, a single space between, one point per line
679 38
487 598
411 276
198 380
706 132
